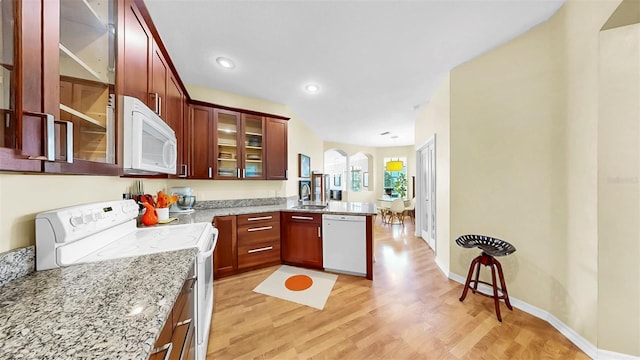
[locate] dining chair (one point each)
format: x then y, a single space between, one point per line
396 210
383 210
410 209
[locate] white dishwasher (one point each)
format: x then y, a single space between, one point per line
344 244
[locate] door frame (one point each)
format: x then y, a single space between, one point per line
421 173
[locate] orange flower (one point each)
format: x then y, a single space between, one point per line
164 200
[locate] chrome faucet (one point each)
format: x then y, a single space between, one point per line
305 193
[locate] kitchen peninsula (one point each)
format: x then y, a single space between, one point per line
227 216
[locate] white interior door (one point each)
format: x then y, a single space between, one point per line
428 193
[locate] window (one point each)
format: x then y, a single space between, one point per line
395 177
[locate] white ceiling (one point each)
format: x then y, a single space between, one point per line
377 62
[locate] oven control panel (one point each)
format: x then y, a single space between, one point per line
72 223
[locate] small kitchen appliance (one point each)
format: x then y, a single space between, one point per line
107 230
185 202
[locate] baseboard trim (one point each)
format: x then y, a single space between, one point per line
445 270
612 355
583 344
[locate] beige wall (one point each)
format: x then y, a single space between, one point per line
581 25
435 119
507 161
23 196
619 190
524 167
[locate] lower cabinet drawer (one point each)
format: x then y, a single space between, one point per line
254 234
258 254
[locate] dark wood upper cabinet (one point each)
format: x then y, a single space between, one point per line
200 142
22 134
134 57
159 80
227 139
235 145
79 47
276 151
149 76
175 117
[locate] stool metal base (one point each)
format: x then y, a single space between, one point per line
499 293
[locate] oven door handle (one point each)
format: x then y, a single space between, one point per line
206 254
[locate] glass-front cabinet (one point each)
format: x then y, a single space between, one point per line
228 150
57 86
7 75
87 76
253 132
239 150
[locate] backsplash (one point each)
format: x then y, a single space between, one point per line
223 204
17 263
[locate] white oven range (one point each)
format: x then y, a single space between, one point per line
107 230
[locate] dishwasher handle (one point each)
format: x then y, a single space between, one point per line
349 218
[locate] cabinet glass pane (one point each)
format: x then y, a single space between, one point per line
227 144
7 93
87 76
253 140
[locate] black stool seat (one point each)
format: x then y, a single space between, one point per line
490 247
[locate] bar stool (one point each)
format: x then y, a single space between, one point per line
490 247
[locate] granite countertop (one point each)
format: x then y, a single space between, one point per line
113 309
333 207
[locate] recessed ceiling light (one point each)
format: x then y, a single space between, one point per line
225 62
312 88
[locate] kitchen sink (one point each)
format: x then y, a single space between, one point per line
310 207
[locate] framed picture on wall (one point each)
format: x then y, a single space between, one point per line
365 179
304 166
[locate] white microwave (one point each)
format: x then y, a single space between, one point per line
149 144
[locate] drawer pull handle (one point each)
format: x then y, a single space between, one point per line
260 218
168 347
301 217
188 321
260 228
266 248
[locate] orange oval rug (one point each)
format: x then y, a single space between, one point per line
298 282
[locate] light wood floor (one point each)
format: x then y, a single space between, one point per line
410 311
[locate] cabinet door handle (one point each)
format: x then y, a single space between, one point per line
319 232
184 170
210 172
260 218
260 228
286 174
159 105
156 103
50 138
166 347
266 248
238 173
301 217
69 144
243 173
